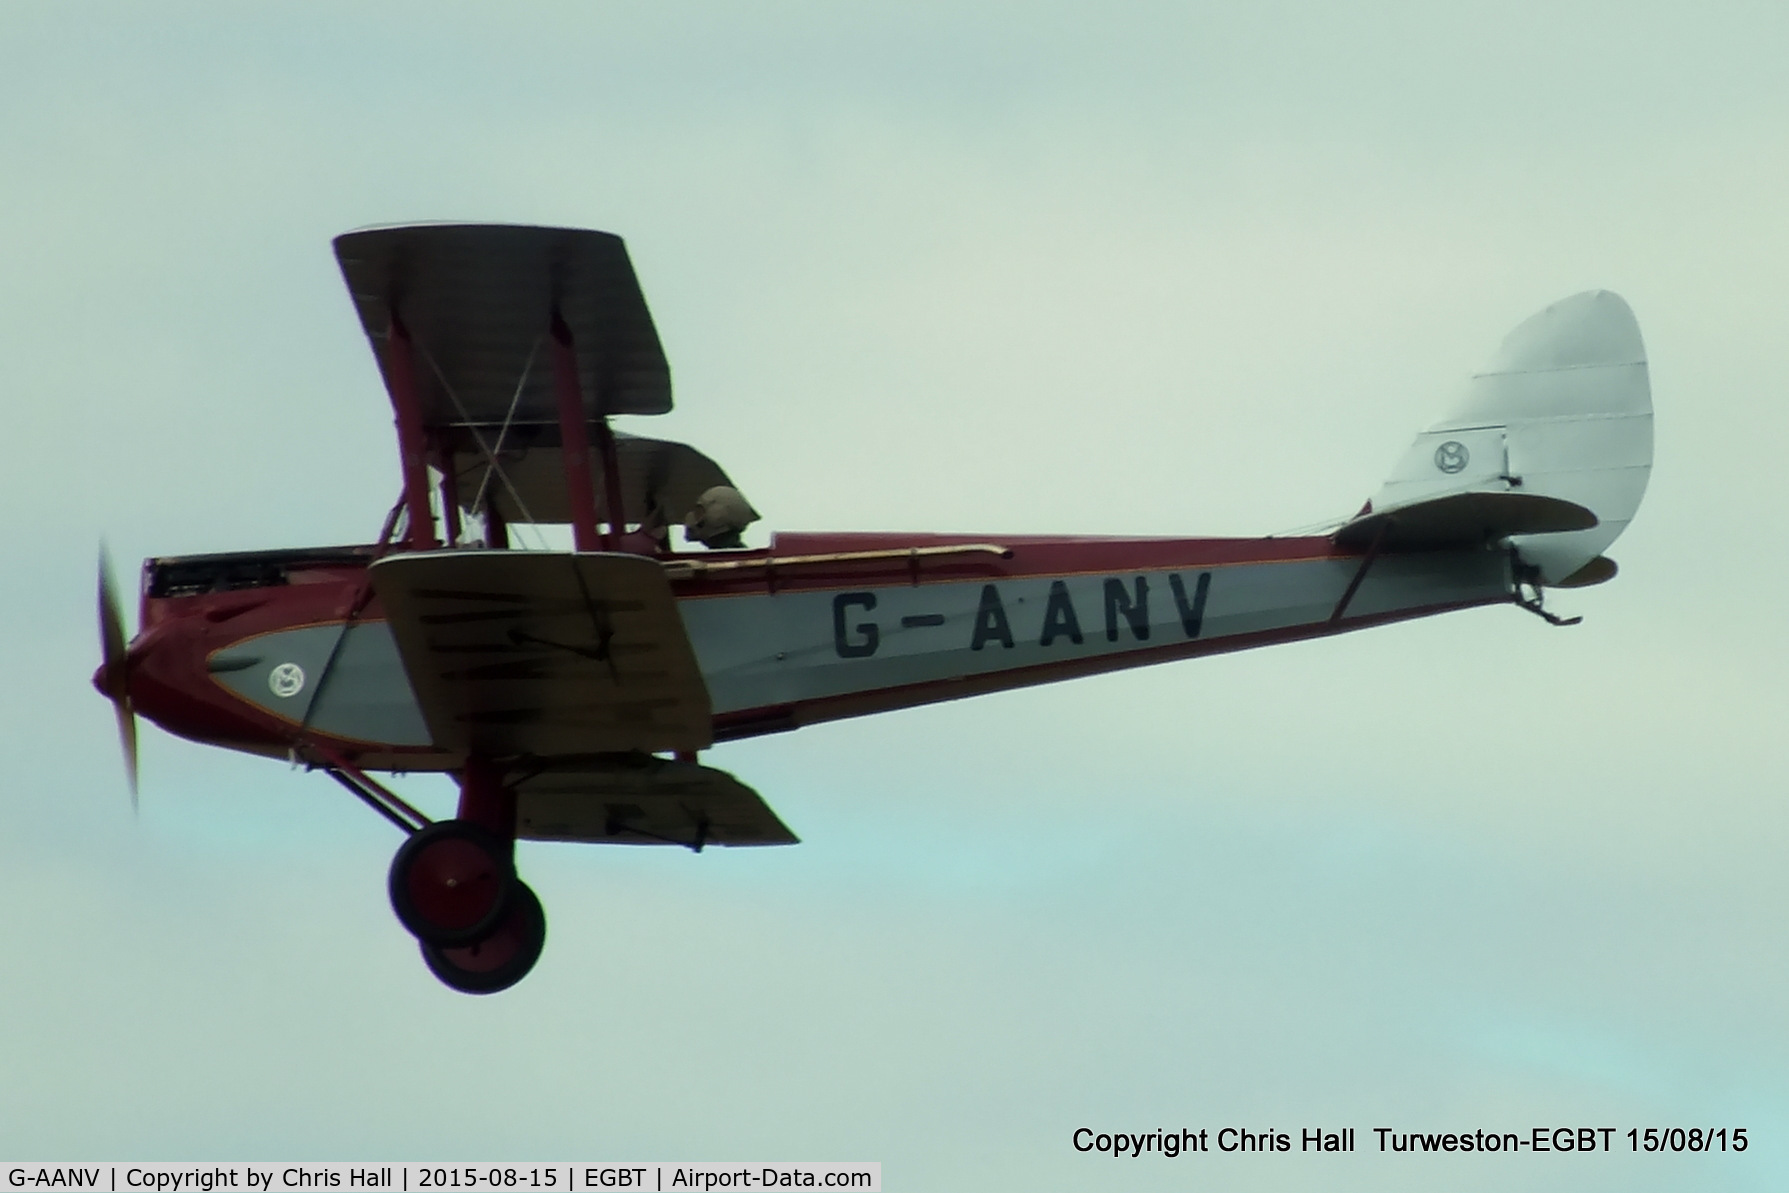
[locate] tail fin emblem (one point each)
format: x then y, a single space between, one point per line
1452 456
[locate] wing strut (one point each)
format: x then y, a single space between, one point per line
450 496
413 444
616 513
580 492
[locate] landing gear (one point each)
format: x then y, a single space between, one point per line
451 883
501 959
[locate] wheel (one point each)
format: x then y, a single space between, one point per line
450 883
501 959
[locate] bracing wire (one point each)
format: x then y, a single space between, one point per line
490 453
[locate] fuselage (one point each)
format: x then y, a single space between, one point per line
259 652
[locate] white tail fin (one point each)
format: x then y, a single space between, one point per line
1560 421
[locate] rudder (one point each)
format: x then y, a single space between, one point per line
1560 421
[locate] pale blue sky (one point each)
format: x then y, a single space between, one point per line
1170 269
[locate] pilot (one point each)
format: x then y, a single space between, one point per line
719 516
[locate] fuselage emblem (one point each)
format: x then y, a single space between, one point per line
1451 456
286 680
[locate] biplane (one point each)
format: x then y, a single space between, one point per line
571 693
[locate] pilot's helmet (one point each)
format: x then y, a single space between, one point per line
718 517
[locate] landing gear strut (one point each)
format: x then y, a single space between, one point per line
454 887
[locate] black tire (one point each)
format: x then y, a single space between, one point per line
451 883
501 959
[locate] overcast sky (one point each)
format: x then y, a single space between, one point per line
1005 267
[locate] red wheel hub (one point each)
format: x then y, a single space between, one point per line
451 883
455 883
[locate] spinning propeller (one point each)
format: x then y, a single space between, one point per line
113 676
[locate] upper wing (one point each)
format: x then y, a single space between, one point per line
477 300
518 653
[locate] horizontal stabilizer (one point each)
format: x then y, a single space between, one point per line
1598 571
535 653
1463 520
642 800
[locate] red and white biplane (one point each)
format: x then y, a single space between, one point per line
570 693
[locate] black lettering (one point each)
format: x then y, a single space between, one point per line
1135 612
1059 616
990 620
1192 617
868 635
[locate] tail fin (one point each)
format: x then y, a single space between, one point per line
1549 448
